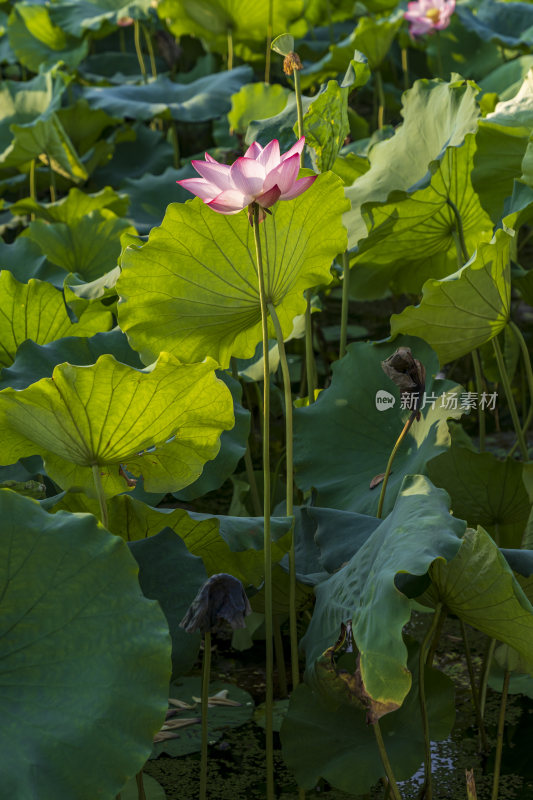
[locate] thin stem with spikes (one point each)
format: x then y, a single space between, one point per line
151 54
270 28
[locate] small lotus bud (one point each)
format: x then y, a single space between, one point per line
407 373
222 597
291 62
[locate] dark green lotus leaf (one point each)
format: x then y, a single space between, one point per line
507 79
38 43
110 67
418 531
520 681
34 361
93 133
464 310
412 237
309 570
219 311
30 127
458 49
163 422
332 64
150 195
355 434
478 586
91 15
508 25
89 245
26 260
339 534
139 151
74 206
374 36
73 623
171 575
210 20
201 100
152 789
36 310
485 491
436 116
220 717
256 101
321 741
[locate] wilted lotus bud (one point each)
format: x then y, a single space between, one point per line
222 597
407 373
291 63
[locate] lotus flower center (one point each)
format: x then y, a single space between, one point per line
433 14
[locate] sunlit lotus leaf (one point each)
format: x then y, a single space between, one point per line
337 744
280 126
89 245
93 133
508 25
412 237
204 99
418 531
91 15
74 206
355 423
484 491
436 116
497 163
192 294
256 101
374 36
466 309
507 79
30 127
74 623
163 423
36 310
38 43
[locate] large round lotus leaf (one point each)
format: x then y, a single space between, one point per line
36 310
38 43
256 101
344 439
163 422
419 530
84 657
374 36
218 312
25 260
74 206
467 309
412 237
228 707
150 195
204 99
485 491
152 789
506 24
80 16
320 740
140 152
436 115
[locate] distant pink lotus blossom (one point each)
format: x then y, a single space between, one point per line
261 176
427 16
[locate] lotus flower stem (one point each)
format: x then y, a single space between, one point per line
280 658
299 109
424 647
141 794
436 637
289 493
460 230
529 373
269 644
138 49
254 493
270 29
479 387
385 761
52 179
399 440
101 495
499 736
206 671
309 355
33 192
473 686
345 302
230 48
405 67
148 40
485 669
381 98
510 399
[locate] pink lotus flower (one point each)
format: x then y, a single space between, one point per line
427 16
261 176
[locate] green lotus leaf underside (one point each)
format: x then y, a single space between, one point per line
163 423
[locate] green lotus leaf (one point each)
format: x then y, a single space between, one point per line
256 101
210 20
478 586
507 79
418 531
138 152
34 361
150 195
38 43
36 310
339 534
74 206
280 126
459 49
484 491
152 789
204 99
163 423
436 116
25 260
115 68
374 36
89 245
332 64
354 434
30 127
464 310
219 312
508 25
319 740
93 133
91 15
73 623
412 237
